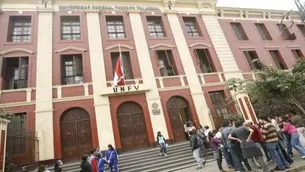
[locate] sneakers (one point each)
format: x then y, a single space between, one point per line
161 154
198 168
204 162
165 154
278 169
303 157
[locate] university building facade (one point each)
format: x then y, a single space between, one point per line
58 59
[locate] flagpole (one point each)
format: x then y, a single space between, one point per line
121 59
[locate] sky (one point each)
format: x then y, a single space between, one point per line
260 4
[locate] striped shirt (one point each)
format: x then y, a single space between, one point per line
269 133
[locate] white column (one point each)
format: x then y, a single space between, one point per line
44 105
221 45
190 71
152 96
101 103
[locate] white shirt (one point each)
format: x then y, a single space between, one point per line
275 124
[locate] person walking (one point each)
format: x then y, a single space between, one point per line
195 146
57 166
272 142
216 149
161 142
85 166
187 127
226 131
287 137
301 131
101 163
257 137
92 155
112 158
250 150
203 141
295 137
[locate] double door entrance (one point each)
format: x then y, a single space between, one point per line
76 138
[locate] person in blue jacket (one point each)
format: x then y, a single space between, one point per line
101 163
112 158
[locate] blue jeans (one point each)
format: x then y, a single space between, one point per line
296 144
228 157
277 155
288 143
163 148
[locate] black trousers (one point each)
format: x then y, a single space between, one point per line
187 137
219 160
285 154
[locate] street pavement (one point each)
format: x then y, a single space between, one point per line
212 166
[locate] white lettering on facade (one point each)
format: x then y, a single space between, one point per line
108 7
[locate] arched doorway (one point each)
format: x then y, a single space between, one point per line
132 128
178 112
75 130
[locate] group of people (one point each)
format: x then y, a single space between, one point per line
244 143
98 160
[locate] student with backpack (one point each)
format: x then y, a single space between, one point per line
203 141
101 163
161 142
195 145
112 158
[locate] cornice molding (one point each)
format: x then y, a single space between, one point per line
118 46
70 48
200 44
14 50
162 45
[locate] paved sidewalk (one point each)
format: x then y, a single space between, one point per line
212 166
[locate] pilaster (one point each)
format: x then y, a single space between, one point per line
152 96
190 72
44 104
101 103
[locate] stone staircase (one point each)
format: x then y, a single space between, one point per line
179 157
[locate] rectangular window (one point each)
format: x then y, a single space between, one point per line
165 63
155 27
263 31
297 54
72 69
252 58
191 26
285 32
16 138
20 29
125 57
15 72
239 31
115 26
302 28
204 60
218 99
70 28
278 60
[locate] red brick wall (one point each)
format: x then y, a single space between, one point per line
256 42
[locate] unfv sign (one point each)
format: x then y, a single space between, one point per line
123 89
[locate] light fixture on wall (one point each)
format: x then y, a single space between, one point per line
170 5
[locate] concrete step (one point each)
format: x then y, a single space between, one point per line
179 167
155 152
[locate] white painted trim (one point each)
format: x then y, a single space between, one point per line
76 98
86 89
182 80
162 45
293 46
161 82
117 46
173 88
14 50
62 50
272 47
200 44
28 95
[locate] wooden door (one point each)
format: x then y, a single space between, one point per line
76 138
132 128
174 107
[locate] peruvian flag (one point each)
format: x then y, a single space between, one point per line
119 73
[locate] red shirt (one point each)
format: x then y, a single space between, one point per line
257 135
94 165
